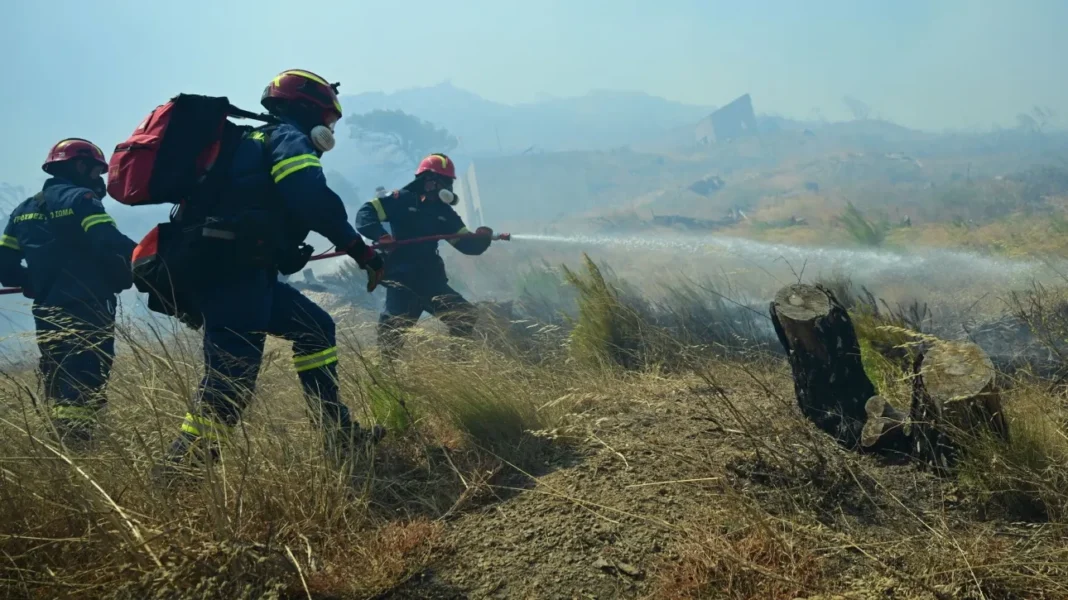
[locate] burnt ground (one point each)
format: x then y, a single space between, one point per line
685 489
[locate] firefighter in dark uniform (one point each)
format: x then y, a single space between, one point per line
277 170
415 274
77 262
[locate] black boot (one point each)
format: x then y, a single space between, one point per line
76 435
186 459
342 445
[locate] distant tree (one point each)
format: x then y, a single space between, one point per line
11 196
1025 122
1044 116
400 133
1037 120
859 108
349 194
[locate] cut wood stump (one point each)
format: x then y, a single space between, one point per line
955 400
829 380
887 429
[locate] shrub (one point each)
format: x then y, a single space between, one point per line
612 327
862 230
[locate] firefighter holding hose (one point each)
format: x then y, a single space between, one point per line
415 278
277 168
77 262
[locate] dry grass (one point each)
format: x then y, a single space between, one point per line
273 517
789 514
796 517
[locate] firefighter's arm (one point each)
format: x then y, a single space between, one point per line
472 246
370 217
12 272
102 235
297 173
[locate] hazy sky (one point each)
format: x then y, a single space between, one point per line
94 68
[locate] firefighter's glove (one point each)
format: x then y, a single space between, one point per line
370 261
486 231
296 259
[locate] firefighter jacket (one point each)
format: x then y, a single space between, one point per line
73 251
277 169
410 216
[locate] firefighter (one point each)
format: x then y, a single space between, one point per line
77 262
277 175
415 274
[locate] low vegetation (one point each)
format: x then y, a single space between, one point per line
624 424
603 441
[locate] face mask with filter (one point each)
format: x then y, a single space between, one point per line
448 197
322 138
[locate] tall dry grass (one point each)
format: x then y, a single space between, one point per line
273 517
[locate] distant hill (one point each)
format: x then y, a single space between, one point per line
597 121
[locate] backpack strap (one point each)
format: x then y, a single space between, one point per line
266 131
234 111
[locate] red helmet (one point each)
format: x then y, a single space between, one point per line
437 163
72 148
299 85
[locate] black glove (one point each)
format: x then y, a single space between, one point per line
368 260
294 260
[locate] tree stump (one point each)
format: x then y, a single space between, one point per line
954 401
886 429
829 380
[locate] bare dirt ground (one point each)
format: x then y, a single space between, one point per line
691 488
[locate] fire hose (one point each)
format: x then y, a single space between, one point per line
503 237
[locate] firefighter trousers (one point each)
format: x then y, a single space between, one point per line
238 315
407 299
77 345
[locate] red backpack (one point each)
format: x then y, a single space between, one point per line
170 154
180 154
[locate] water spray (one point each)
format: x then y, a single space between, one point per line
868 262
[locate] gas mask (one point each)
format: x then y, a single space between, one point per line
322 138
94 182
98 187
448 197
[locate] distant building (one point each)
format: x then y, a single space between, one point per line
470 205
733 121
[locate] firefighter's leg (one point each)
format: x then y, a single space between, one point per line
315 356
51 343
301 321
87 370
77 347
96 356
55 340
454 310
402 310
236 317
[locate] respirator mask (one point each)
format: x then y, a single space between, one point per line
99 187
322 137
448 197
93 179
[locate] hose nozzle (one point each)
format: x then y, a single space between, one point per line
504 237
